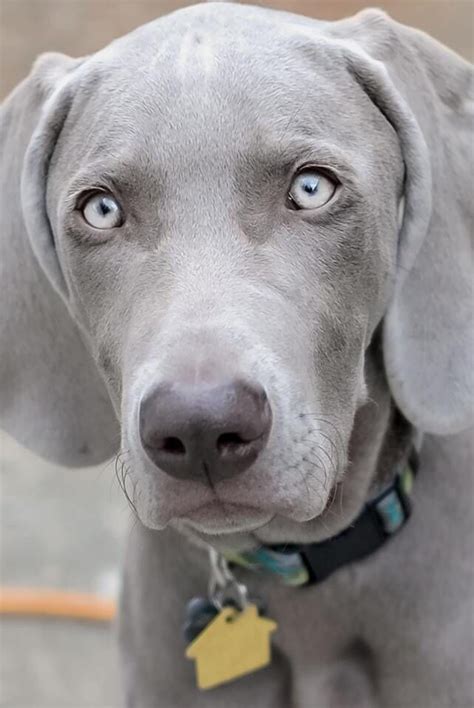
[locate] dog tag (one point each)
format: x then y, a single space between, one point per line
235 643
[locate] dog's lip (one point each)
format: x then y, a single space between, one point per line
221 517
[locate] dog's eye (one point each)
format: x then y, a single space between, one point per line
311 189
101 211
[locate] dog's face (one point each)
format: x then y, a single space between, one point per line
224 197
225 233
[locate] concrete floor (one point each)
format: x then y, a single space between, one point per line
64 529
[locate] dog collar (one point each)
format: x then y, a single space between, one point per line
310 563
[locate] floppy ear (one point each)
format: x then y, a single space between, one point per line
426 92
52 398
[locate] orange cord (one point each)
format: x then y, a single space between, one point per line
56 603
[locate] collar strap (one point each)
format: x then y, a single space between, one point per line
307 564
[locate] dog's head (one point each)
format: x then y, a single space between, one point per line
231 201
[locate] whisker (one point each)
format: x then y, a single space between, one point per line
318 433
319 466
122 472
323 419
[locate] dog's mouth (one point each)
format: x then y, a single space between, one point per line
219 517
230 508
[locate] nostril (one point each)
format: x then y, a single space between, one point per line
228 442
233 446
173 445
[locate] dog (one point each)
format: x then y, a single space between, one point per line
236 251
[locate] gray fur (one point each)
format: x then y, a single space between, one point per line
359 329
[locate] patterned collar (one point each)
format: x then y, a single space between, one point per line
306 564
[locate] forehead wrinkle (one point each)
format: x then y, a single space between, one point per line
208 57
196 53
183 55
161 53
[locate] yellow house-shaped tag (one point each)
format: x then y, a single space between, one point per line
234 644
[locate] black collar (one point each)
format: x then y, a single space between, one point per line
310 563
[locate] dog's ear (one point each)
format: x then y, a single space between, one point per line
426 92
52 398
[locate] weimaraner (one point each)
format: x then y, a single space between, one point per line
236 247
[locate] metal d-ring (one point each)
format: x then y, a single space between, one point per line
223 585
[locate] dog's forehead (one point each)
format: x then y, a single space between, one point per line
218 86
208 29
214 62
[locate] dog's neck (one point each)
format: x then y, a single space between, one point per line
381 440
399 440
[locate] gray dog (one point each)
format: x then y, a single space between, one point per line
236 246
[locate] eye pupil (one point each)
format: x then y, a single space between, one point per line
104 207
310 186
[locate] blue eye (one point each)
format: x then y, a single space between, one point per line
101 211
311 189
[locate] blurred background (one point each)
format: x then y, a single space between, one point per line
78 27
66 528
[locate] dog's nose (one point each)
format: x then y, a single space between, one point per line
200 431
